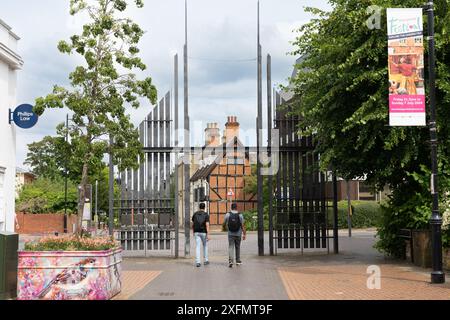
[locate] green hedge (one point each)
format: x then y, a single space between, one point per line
366 214
47 196
251 224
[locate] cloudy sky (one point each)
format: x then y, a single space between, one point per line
218 30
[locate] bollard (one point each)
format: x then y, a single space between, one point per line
9 245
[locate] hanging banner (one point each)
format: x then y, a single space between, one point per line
406 67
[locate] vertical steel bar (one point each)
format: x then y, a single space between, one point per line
161 157
65 177
259 145
278 180
141 164
96 199
149 156
335 215
187 154
111 186
176 135
269 148
437 275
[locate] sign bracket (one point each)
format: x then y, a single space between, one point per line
10 116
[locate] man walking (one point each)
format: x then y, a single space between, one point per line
200 227
236 231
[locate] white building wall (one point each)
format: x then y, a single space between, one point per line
10 62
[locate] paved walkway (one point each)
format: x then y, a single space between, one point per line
290 275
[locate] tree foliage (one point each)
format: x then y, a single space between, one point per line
51 156
103 86
342 96
47 157
46 195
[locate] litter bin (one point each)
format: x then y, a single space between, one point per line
9 245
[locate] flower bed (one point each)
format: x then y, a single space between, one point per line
69 268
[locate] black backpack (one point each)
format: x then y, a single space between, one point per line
234 222
199 221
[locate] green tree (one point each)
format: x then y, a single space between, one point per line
52 155
46 195
103 86
46 157
342 96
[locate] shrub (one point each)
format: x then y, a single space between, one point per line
71 243
445 209
404 210
250 223
365 214
47 196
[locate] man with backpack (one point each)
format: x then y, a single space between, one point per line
236 231
200 227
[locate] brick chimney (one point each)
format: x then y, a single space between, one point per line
212 135
231 129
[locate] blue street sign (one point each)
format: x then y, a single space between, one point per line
24 117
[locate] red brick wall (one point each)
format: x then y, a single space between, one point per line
221 184
28 223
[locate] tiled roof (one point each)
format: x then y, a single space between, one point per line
204 172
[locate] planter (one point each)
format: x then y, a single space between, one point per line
421 240
446 258
69 275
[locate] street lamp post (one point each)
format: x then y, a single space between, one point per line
111 188
65 177
437 275
96 199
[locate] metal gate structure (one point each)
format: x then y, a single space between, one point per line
304 200
147 207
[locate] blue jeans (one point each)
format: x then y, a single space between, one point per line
200 238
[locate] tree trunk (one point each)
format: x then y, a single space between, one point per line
82 199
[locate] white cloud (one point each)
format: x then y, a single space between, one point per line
217 30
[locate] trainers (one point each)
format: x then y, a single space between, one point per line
206 263
230 265
198 265
238 263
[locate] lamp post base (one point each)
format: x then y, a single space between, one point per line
437 277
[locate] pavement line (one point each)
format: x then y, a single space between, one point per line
135 281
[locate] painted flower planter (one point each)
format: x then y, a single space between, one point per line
69 275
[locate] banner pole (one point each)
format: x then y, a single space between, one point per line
437 275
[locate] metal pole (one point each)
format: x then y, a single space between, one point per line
269 146
187 185
259 144
349 210
65 177
96 199
177 214
111 187
437 275
335 212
